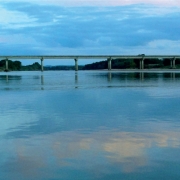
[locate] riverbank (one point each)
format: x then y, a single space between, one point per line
144 70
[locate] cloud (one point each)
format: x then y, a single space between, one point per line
102 2
155 47
17 38
49 29
14 19
102 149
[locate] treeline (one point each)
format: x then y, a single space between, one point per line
12 65
50 68
115 64
33 67
17 66
131 64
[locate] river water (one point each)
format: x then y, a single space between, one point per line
90 125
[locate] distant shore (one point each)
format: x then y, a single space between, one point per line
143 70
112 70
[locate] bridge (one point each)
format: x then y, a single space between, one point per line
109 58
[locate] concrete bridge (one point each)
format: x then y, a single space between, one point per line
109 58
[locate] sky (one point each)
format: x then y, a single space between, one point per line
89 27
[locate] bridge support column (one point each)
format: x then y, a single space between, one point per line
171 63
76 64
174 63
7 68
42 67
109 64
141 63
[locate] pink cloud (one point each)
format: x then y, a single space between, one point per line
103 2
111 3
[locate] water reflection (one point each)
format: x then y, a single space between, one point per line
93 132
173 76
7 78
109 76
42 82
96 79
142 76
137 79
115 153
76 79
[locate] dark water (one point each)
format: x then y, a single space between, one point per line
89 125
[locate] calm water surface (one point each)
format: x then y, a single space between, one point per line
90 125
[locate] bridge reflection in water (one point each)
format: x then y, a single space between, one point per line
77 79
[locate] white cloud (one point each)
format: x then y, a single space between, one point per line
98 30
163 44
15 19
154 11
17 39
161 47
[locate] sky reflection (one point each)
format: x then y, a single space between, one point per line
90 133
129 152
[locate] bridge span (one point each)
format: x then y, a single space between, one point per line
109 58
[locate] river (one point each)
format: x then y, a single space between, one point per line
90 125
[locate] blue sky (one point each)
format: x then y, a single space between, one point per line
76 27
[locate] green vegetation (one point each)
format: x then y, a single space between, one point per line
34 67
96 65
12 65
116 64
123 64
48 68
17 66
131 64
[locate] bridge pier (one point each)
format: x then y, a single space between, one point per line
171 63
42 67
141 63
7 68
174 63
109 63
76 64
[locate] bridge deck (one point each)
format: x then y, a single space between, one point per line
90 56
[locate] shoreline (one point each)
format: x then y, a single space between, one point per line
144 70
112 70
